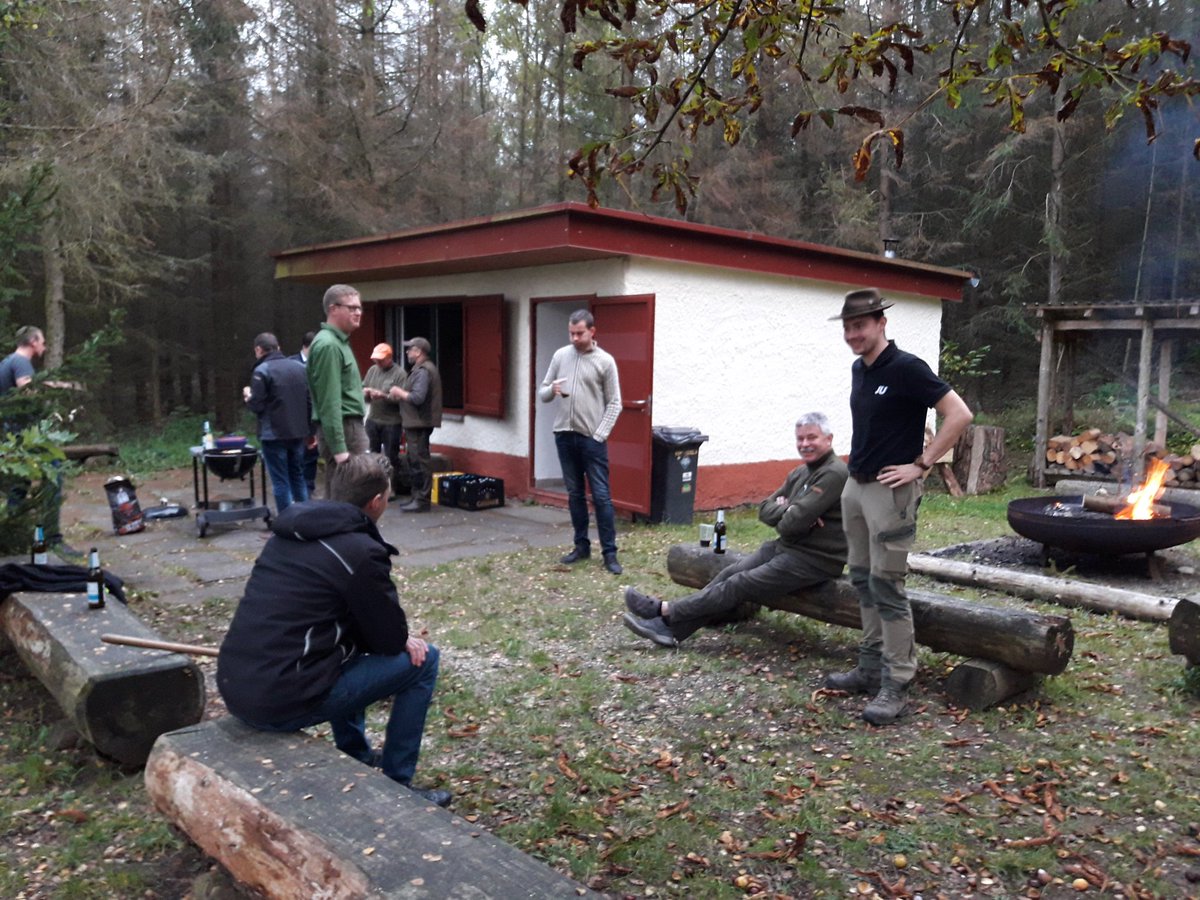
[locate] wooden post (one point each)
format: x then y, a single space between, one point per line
1143 397
1164 390
1045 382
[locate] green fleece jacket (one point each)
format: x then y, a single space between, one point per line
811 521
335 385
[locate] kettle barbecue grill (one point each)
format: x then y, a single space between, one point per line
229 464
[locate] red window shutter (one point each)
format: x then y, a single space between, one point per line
485 355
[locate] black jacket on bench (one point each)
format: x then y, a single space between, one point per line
320 593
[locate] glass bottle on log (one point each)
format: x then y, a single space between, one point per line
208 442
720 541
39 553
95 580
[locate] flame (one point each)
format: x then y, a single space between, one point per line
1141 500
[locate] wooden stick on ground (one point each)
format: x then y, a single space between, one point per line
169 646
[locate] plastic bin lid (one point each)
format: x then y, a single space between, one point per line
678 434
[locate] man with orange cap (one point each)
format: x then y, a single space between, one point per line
383 411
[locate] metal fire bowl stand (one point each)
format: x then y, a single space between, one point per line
228 465
1101 535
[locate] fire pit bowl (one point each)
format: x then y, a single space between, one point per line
1063 522
230 464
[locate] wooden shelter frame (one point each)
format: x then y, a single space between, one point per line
1169 320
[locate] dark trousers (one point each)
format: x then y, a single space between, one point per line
769 572
582 457
420 463
385 438
285 464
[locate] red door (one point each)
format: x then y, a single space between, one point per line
625 328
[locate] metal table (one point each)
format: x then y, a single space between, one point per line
228 465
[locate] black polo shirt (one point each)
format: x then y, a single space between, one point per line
888 403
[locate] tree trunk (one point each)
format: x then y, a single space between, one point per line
1039 587
1021 640
56 304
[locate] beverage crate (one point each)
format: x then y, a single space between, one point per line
480 492
445 487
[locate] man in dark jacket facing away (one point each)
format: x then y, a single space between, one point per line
811 548
320 634
278 395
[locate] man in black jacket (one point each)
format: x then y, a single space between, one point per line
278 395
320 634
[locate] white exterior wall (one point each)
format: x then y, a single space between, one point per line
509 435
736 354
740 355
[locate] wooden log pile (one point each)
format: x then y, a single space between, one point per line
1094 452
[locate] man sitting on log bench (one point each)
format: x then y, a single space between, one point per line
320 634
811 548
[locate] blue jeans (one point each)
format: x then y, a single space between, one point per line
285 465
364 680
580 456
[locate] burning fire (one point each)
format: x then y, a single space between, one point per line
1141 499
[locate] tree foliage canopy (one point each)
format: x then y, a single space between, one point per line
696 65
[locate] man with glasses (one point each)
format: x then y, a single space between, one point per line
334 381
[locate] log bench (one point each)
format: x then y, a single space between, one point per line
291 816
1007 650
119 699
84 452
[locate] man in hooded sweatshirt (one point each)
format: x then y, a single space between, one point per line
320 634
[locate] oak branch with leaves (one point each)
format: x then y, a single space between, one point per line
694 65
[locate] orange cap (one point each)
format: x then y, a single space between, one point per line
382 351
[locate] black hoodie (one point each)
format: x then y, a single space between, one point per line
320 593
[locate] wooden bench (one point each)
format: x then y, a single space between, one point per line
1007 649
118 698
84 452
291 816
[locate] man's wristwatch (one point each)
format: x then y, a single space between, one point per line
920 463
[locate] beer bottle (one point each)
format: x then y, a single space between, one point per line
720 542
38 553
208 441
95 580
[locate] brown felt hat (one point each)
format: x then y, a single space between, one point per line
862 303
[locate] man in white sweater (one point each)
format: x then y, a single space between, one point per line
583 380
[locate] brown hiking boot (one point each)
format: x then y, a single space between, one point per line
857 681
888 705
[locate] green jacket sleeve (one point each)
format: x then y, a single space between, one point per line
810 499
325 385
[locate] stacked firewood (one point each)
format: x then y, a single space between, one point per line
1094 452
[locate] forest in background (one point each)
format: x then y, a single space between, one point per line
154 154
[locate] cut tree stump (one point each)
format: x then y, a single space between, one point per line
118 698
979 460
980 683
1021 640
293 817
1085 595
1184 630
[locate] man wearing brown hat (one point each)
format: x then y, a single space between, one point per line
890 394
421 411
383 413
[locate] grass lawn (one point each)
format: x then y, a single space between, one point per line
720 769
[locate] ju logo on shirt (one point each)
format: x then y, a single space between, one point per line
881 390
